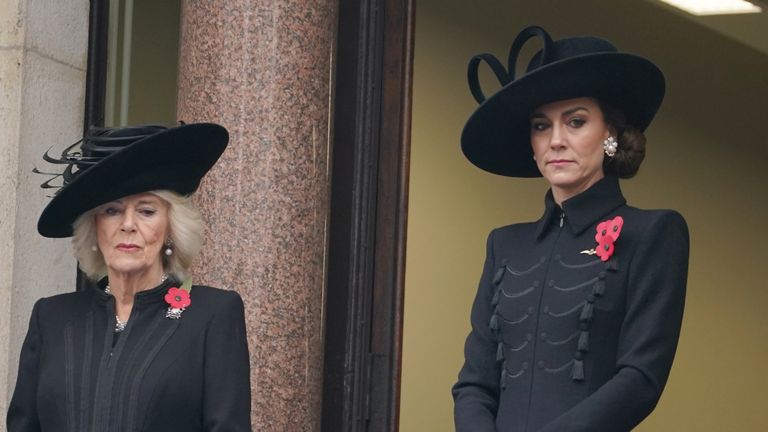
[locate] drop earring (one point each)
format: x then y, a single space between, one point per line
168 251
610 146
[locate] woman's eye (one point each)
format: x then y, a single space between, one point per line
577 122
147 212
538 126
111 211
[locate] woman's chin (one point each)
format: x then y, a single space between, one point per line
562 179
127 267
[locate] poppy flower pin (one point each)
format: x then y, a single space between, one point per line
178 299
607 233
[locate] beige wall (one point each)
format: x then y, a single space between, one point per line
42 92
707 158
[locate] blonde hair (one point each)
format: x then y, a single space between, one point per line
185 226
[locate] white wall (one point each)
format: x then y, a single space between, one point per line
43 50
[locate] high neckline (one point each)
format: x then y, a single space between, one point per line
583 210
146 296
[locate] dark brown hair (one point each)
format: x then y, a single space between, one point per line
631 144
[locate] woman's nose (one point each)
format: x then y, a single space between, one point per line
128 222
556 138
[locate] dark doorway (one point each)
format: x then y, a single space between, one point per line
363 327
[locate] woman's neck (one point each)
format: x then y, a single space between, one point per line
562 193
124 285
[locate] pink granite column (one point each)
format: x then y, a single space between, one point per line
263 69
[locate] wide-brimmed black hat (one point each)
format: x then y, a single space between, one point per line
496 137
112 163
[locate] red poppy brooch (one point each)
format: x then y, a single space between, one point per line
607 234
178 299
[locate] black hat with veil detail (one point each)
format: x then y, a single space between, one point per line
112 163
496 137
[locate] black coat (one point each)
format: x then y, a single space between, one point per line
562 341
159 374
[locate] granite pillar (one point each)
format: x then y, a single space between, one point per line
264 70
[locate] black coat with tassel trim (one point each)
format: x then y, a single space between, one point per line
159 374
564 341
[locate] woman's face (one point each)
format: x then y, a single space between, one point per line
131 232
567 138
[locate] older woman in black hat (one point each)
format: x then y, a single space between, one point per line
577 315
143 349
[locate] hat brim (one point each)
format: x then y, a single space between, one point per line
175 159
496 138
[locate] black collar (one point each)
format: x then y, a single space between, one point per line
583 210
151 295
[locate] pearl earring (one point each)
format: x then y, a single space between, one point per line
610 146
168 250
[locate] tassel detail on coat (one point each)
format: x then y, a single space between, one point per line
599 289
494 324
586 313
495 299
584 341
578 370
503 379
498 276
500 352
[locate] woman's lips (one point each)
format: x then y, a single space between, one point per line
127 247
559 162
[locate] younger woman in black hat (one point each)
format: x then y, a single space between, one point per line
144 349
577 315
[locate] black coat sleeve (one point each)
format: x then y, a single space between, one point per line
476 394
649 333
22 411
227 389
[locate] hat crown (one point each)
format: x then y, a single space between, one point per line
564 49
100 142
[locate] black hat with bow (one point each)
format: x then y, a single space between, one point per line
496 138
112 163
